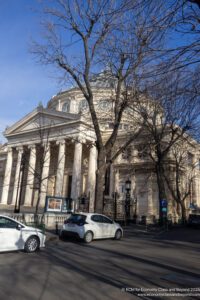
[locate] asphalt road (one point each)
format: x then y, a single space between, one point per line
139 266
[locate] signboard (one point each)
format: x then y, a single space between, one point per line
54 204
164 209
58 204
163 203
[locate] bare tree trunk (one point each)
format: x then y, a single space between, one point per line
100 181
183 212
161 189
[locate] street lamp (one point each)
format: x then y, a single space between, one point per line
128 185
127 200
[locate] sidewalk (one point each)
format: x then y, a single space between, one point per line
51 235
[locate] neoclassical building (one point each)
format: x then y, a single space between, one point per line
51 156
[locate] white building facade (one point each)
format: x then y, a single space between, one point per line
51 154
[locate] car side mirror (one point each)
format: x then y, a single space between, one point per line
19 227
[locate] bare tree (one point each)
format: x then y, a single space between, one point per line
172 115
182 178
83 36
182 25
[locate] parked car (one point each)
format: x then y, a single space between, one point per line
17 236
89 226
194 220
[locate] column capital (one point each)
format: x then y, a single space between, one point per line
80 140
20 149
32 146
9 149
115 170
45 145
62 141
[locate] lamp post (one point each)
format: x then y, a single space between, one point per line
127 200
135 209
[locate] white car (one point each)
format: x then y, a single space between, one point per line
89 226
17 236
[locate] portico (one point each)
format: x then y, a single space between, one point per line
48 161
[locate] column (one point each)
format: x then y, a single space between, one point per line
7 177
30 176
45 175
76 175
91 180
60 169
133 196
117 204
17 182
117 181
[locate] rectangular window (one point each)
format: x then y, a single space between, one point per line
111 126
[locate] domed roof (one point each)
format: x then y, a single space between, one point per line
105 79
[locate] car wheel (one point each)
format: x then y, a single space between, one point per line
32 244
118 234
88 237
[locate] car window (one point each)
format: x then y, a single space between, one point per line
7 223
107 220
96 218
76 219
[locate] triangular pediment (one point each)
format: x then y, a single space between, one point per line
38 119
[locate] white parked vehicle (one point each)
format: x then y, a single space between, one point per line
17 236
89 226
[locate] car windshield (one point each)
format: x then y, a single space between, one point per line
76 219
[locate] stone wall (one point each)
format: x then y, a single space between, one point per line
49 219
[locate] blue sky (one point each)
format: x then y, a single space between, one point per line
23 82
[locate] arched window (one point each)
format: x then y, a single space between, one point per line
104 104
66 106
83 105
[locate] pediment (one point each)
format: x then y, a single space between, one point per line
38 119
